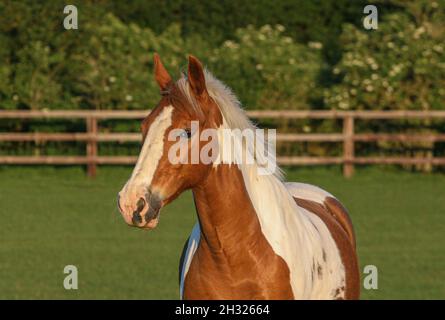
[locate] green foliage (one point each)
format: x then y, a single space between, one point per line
113 66
6 89
107 64
268 69
307 20
400 66
34 85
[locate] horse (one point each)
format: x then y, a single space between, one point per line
257 237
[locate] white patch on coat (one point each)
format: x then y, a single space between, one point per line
298 236
308 192
192 245
151 151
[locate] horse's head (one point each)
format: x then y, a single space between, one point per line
159 177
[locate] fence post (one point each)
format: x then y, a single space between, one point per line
348 146
91 146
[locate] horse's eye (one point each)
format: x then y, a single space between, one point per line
186 133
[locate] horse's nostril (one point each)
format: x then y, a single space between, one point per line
140 205
137 218
153 210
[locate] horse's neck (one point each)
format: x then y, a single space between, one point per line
227 218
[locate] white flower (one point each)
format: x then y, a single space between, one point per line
438 48
266 28
315 45
259 66
128 97
418 32
370 60
287 40
112 79
280 27
343 105
395 70
357 63
230 44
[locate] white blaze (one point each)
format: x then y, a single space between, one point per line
151 151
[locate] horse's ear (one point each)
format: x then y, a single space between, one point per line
196 78
161 75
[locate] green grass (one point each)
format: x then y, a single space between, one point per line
51 217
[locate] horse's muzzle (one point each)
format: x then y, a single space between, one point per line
143 212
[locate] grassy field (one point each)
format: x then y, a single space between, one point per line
51 217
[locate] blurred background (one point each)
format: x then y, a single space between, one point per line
275 55
298 55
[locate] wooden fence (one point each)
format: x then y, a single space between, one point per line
348 137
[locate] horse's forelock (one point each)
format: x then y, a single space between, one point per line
183 102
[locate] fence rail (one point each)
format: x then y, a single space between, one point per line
348 137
